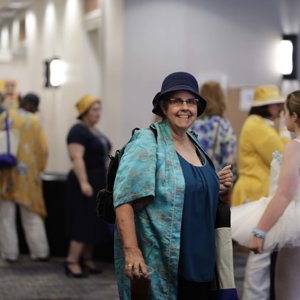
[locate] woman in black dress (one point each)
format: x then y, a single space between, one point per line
88 150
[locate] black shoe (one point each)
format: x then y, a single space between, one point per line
91 270
69 273
41 259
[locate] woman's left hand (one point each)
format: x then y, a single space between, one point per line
256 245
225 177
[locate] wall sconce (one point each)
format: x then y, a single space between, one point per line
288 56
54 72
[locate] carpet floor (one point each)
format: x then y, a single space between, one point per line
30 280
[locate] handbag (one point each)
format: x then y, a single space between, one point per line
224 285
9 144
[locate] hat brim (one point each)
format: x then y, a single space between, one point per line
269 102
156 106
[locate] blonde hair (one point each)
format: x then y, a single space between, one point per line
214 95
293 104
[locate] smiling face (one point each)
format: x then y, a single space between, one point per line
180 115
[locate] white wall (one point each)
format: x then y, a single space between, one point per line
137 44
112 70
55 28
235 38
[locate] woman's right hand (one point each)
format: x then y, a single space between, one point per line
86 189
134 262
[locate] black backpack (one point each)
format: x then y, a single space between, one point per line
105 202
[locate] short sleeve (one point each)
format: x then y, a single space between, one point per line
77 135
136 173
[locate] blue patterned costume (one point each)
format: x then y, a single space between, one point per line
224 151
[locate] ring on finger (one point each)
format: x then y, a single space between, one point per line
129 265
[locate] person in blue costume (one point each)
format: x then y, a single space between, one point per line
165 197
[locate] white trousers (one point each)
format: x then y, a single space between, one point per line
34 229
257 277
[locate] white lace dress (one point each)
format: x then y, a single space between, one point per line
284 233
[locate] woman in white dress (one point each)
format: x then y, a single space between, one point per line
274 221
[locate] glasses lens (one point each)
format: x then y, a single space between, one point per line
191 101
179 101
176 101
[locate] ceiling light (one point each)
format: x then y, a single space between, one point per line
17 5
7 14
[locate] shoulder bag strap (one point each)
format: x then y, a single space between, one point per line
214 147
7 132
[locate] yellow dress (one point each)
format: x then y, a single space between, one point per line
258 140
22 183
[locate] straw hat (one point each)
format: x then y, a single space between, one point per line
266 95
84 103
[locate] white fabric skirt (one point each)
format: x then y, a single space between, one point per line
284 233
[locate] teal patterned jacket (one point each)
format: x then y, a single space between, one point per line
150 167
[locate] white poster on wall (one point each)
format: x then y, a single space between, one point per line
246 96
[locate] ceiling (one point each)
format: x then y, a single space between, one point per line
9 9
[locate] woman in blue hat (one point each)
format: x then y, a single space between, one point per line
165 196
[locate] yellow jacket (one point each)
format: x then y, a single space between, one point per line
258 140
22 183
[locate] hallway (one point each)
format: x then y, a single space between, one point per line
28 280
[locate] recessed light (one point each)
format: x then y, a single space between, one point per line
7 14
17 5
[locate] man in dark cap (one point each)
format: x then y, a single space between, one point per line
30 102
21 185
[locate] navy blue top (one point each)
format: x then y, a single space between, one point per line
96 147
197 245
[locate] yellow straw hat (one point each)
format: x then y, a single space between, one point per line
266 95
84 103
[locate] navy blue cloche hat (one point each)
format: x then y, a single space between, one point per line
178 81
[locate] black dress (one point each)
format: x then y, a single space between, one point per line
82 222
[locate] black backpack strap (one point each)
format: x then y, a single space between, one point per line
112 169
150 127
134 130
154 130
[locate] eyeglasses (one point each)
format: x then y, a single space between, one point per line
180 102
